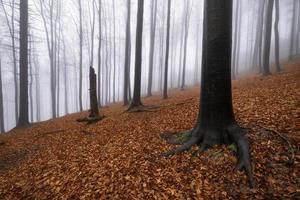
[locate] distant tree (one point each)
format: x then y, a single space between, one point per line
152 45
136 101
276 30
80 53
165 93
114 48
235 38
186 35
257 57
23 117
216 123
10 22
2 128
99 51
127 57
293 28
267 38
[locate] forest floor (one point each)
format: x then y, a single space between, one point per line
118 157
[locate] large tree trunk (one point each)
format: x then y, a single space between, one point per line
136 101
152 45
93 94
216 123
267 38
276 30
167 52
2 128
127 57
23 118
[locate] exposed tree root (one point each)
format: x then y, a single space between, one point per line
179 138
142 108
236 135
291 160
90 120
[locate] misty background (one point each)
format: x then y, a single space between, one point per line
113 37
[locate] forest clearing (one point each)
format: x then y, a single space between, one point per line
119 157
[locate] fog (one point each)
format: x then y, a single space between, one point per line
68 58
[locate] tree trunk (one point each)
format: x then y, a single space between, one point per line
259 37
2 127
99 53
80 55
167 52
152 45
267 38
114 42
136 101
23 118
186 35
93 94
235 39
216 123
127 57
292 38
276 30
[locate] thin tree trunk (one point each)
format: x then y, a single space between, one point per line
99 53
127 58
80 55
152 45
187 22
167 52
267 38
2 128
276 30
235 40
114 43
292 38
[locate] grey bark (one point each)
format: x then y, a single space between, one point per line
165 93
2 126
276 30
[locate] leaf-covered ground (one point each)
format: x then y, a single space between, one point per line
118 157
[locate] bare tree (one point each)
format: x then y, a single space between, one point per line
165 93
127 57
186 35
23 117
216 123
152 45
235 38
10 22
80 53
99 51
2 128
267 38
293 28
276 30
136 101
257 57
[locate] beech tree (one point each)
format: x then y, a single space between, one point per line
276 30
216 123
10 22
293 27
136 102
152 45
23 117
267 38
2 128
126 89
165 93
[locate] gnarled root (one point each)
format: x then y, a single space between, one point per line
179 138
142 108
236 135
90 120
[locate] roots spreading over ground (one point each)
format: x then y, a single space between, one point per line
199 137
